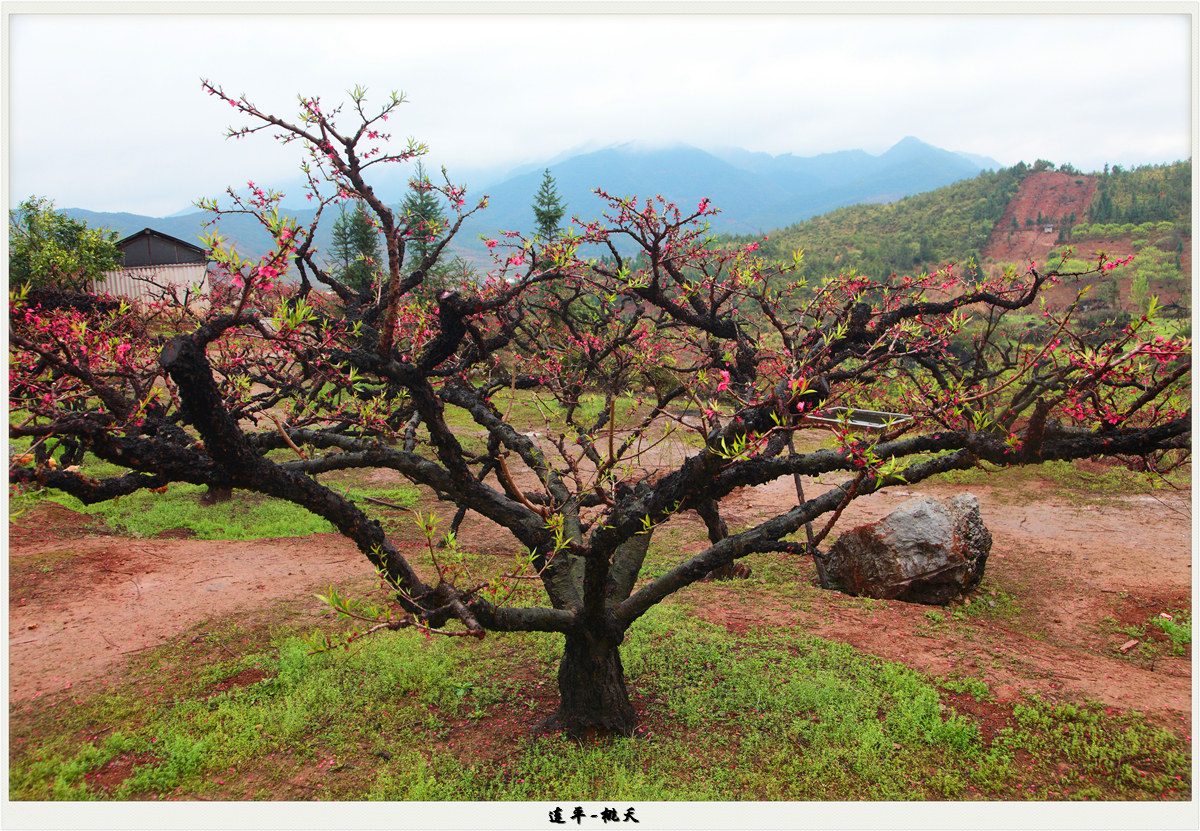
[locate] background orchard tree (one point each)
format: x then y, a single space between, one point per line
424 212
49 250
371 382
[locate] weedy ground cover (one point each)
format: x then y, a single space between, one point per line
764 715
1071 479
1177 630
245 516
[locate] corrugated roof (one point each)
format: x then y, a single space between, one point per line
151 232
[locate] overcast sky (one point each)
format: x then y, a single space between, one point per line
106 112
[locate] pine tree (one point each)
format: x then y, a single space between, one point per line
548 209
355 247
425 216
1110 292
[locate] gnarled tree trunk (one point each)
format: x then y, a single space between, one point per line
591 682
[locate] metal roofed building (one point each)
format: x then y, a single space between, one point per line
157 265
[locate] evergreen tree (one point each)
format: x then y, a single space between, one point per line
427 223
355 247
548 209
1110 292
425 215
1139 292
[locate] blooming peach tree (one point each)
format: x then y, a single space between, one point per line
682 336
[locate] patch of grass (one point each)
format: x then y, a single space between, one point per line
990 602
244 517
856 719
404 497
51 750
669 546
780 570
1100 744
305 706
977 688
1066 476
767 715
529 411
1178 629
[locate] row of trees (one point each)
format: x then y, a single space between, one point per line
379 379
1044 164
1146 230
1149 193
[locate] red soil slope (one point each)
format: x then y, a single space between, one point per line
1055 196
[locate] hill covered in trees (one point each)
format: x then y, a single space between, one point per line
1006 219
951 223
1153 193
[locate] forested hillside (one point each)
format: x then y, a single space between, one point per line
1153 193
915 233
1008 218
1146 212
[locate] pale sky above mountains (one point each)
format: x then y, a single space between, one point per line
106 112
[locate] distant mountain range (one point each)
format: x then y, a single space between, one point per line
756 192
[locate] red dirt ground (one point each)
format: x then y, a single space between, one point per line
83 602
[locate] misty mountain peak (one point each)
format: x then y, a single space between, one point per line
755 191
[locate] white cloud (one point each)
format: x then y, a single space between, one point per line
106 111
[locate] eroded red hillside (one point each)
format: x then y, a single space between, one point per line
1053 197
1049 195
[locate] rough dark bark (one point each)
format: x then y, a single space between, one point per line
710 512
188 366
214 496
591 682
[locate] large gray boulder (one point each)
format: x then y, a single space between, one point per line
925 551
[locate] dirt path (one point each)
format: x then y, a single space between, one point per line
79 606
1074 574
